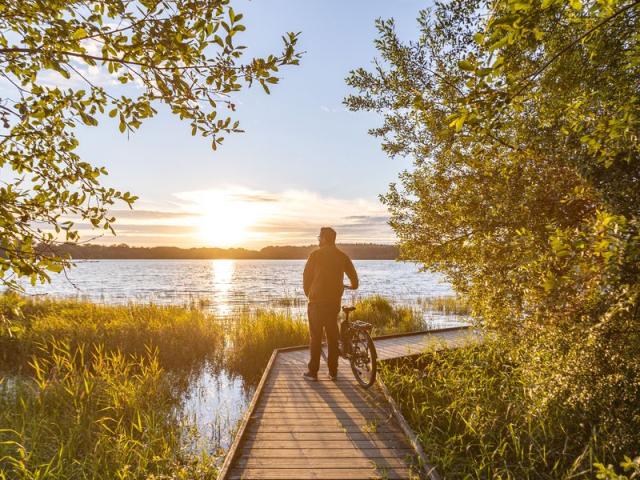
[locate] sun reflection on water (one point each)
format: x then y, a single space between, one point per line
222 272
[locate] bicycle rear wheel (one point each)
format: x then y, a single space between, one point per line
363 358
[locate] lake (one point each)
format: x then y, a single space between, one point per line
215 400
223 286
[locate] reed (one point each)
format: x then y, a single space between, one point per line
387 318
93 414
446 305
288 302
183 336
252 337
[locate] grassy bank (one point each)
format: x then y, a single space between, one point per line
476 417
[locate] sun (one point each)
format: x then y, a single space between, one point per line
226 225
227 217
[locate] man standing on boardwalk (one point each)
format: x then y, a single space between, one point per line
323 282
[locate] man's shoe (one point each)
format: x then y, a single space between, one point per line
310 376
333 378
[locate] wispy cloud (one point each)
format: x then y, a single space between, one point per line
252 218
341 109
150 214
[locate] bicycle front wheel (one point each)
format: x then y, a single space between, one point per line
363 359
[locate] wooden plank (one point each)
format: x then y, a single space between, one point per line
432 332
297 400
316 463
310 402
319 421
329 453
321 429
325 474
310 409
373 414
323 444
266 408
330 392
313 436
313 386
356 416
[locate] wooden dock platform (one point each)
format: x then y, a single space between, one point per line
296 429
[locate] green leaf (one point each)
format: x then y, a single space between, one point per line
576 4
466 65
79 34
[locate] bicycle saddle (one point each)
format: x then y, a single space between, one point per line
348 309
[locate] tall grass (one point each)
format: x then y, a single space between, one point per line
183 337
254 335
387 318
446 305
92 414
472 410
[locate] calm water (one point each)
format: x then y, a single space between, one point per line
215 400
225 285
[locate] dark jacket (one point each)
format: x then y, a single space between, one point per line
323 278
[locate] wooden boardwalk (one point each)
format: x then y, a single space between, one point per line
296 429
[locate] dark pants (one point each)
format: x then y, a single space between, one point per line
323 316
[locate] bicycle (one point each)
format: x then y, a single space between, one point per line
356 346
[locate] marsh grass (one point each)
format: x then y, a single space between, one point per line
252 337
472 410
387 318
288 302
183 337
445 305
93 414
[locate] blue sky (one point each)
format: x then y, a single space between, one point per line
303 162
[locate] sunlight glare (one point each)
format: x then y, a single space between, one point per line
222 272
227 218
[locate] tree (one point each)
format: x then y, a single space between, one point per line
523 122
59 61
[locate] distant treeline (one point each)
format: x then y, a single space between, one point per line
357 251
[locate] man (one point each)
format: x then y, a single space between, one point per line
323 282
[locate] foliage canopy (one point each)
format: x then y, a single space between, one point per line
69 63
523 120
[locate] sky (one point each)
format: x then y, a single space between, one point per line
303 162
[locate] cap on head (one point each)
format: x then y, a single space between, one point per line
328 234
